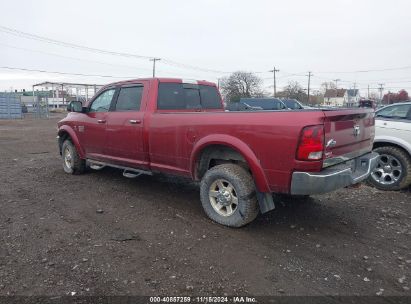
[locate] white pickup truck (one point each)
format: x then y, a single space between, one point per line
393 143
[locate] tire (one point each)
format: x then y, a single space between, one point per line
72 163
238 208
393 171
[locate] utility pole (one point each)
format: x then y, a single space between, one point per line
154 65
354 93
336 87
308 89
275 84
381 88
62 93
368 95
336 83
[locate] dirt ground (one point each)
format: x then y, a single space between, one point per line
103 234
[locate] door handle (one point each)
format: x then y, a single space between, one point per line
101 121
134 121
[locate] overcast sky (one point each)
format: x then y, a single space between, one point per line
328 37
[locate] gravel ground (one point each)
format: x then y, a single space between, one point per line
103 234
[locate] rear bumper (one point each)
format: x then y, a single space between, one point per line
335 177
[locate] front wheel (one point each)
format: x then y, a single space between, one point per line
72 163
228 195
393 171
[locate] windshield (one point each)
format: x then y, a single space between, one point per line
395 111
264 103
292 104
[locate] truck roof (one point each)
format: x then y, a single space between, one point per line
162 79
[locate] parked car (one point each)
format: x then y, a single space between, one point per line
293 104
367 103
241 106
240 158
264 103
393 143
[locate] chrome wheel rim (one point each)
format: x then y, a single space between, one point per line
68 159
388 170
223 197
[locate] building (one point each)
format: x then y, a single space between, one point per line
342 98
335 97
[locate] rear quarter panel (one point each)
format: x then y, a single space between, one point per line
272 136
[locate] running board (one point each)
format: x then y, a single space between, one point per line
128 172
96 167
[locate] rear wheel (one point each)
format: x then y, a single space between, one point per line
228 195
393 171
72 163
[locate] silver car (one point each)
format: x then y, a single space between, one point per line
393 143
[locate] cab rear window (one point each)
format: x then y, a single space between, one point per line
178 96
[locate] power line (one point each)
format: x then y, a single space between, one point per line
170 62
21 34
74 58
86 60
367 71
64 73
66 44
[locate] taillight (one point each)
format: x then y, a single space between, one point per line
311 144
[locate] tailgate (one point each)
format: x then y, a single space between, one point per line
348 134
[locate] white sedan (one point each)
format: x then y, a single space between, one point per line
393 143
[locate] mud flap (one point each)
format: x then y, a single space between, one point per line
266 202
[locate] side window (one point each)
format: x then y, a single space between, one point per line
278 105
210 99
103 101
129 99
399 111
174 96
170 96
192 98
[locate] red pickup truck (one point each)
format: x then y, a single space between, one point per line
240 158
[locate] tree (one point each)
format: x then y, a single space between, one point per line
327 85
316 98
241 84
293 90
396 97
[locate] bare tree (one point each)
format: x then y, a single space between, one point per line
293 90
316 98
327 85
241 84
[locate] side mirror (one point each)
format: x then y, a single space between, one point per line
75 106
